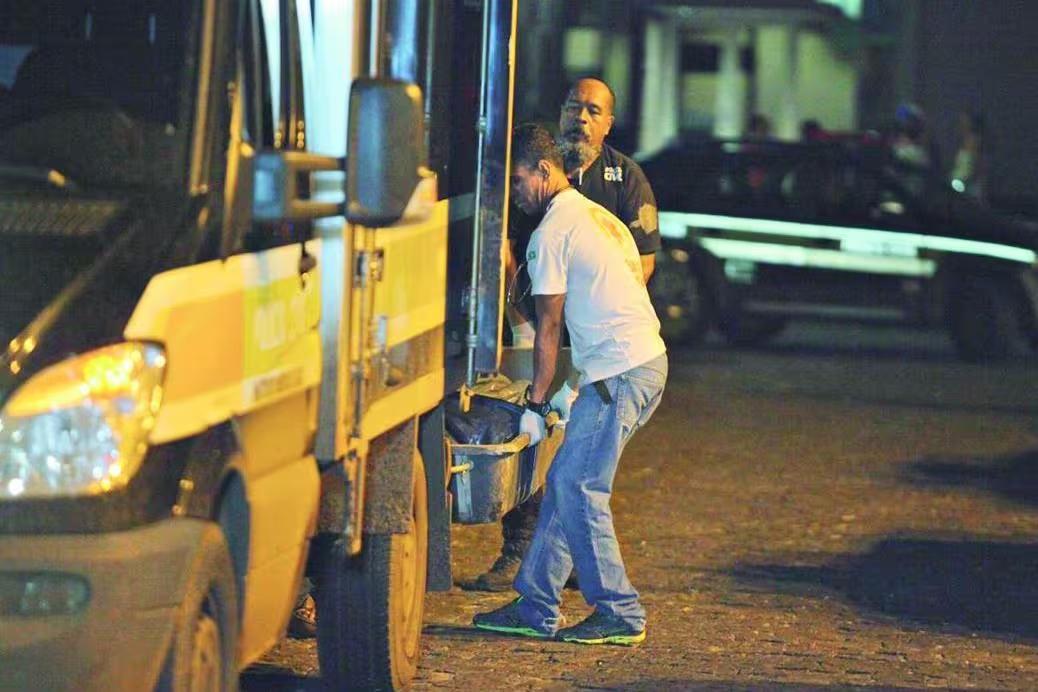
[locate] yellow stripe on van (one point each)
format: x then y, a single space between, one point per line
238 334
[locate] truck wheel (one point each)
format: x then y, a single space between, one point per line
985 320
370 607
202 656
740 329
680 300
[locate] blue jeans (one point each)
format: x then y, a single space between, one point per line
575 525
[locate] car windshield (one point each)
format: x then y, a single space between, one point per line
91 91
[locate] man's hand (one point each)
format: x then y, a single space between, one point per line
563 401
533 425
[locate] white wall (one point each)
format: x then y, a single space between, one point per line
826 84
698 100
659 115
827 87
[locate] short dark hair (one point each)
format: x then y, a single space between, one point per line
532 143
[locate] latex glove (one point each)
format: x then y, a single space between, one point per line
533 425
563 401
522 335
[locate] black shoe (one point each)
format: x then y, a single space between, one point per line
498 578
303 624
602 628
507 620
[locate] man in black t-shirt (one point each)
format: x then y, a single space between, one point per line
603 175
600 173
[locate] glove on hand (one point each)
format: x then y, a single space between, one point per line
533 425
563 401
523 335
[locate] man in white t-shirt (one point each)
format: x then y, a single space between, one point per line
584 268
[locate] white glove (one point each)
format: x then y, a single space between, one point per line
522 335
533 425
563 401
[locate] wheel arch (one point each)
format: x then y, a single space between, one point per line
715 285
212 488
234 517
705 264
388 484
955 276
990 309
437 476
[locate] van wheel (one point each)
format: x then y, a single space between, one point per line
681 302
370 607
740 329
202 656
985 320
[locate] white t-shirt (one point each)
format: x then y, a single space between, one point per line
582 250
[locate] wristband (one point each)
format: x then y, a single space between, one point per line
542 408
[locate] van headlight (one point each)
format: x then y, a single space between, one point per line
81 426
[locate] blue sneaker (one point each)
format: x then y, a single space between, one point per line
507 620
602 628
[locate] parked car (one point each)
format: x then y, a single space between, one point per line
758 233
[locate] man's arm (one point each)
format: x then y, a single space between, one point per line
522 329
640 214
546 343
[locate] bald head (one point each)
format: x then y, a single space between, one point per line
585 120
593 85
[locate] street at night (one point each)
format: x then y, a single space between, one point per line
848 506
292 293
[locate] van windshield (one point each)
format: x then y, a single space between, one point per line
94 90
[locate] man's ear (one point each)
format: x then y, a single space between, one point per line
609 127
544 168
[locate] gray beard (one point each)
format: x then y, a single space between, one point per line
577 154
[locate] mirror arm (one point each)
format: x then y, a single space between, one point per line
277 185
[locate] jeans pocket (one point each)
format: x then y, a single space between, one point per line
646 376
647 380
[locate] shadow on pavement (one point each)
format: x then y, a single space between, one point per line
725 354
906 401
668 685
257 681
1014 476
848 339
469 633
985 587
898 352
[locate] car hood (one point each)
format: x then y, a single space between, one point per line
71 271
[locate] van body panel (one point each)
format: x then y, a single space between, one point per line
238 335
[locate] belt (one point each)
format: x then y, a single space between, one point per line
603 392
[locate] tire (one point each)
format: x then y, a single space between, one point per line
370 607
681 302
751 330
202 655
985 320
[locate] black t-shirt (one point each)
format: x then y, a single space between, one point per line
618 184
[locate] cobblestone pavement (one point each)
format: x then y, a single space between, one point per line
843 509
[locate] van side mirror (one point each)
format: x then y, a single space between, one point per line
385 150
386 176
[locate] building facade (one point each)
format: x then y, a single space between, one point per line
688 68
